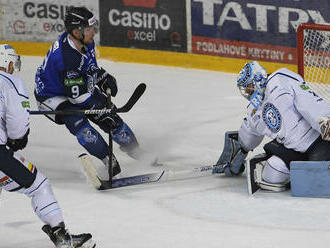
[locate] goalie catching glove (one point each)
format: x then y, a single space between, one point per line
231 161
106 81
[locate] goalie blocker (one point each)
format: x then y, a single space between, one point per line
310 178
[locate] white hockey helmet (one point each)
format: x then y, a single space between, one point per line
7 55
252 78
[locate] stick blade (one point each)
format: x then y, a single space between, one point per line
138 92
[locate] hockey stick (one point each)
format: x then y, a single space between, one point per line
110 148
138 92
161 176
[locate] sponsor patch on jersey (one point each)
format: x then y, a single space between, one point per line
272 117
72 74
73 81
25 104
304 87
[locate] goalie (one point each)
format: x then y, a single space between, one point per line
283 108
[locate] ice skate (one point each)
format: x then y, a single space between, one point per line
115 166
63 239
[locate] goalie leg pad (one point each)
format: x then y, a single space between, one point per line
310 178
275 171
255 180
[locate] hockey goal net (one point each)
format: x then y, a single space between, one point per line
313 51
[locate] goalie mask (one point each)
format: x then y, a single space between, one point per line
7 55
252 80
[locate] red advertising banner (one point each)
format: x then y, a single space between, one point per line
239 49
141 3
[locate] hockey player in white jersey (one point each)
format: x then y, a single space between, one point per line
283 108
16 173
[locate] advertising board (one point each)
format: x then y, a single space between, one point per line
253 29
146 24
38 20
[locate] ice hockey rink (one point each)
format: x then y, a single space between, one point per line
182 117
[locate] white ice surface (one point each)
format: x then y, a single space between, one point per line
182 117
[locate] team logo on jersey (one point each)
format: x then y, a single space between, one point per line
92 68
89 136
272 117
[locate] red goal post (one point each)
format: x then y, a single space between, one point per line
313 52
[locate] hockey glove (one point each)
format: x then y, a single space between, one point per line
106 81
324 124
231 161
18 144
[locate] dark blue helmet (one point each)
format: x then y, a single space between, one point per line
80 18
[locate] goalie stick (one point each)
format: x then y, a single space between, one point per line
161 176
138 92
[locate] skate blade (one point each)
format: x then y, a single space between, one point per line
88 244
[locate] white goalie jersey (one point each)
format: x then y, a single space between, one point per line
289 113
14 107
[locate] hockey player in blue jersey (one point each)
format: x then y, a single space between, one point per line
70 79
